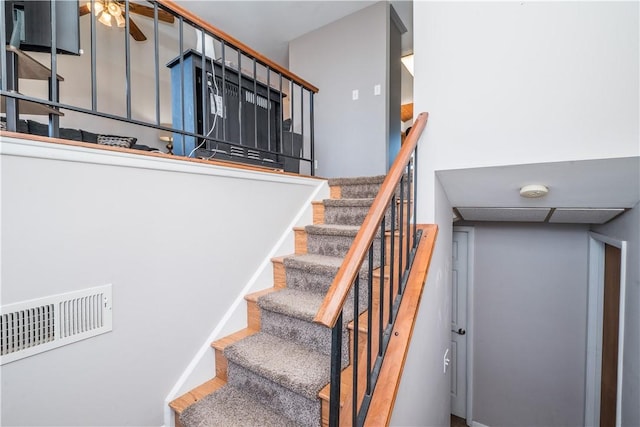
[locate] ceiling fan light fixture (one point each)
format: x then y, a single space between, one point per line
97 7
114 9
105 18
534 191
120 20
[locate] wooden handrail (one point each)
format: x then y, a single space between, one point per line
337 295
171 5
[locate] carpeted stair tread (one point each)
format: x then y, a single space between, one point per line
299 304
358 180
348 202
313 262
285 363
230 406
333 230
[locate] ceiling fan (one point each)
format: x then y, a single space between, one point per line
110 10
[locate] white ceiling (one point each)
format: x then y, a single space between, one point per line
588 184
268 26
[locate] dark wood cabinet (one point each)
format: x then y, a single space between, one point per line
245 122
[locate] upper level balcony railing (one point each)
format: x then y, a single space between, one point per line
150 75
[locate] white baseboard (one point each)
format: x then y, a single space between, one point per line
477 424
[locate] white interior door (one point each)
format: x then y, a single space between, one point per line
460 255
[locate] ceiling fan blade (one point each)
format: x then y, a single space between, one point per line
83 10
148 12
135 32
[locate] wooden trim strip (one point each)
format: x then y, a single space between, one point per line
171 5
212 162
384 394
334 301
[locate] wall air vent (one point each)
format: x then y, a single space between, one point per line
31 327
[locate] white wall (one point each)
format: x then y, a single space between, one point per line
627 227
527 82
346 55
178 243
530 295
424 394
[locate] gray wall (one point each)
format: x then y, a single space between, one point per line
348 54
178 243
530 285
627 227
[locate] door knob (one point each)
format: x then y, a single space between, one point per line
460 331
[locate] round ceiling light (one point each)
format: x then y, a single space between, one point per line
534 191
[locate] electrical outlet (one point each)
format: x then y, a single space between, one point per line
219 106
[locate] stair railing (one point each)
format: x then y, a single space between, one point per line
396 200
273 127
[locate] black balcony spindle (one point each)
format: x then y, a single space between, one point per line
94 69
127 56
313 160
255 104
54 120
401 232
156 60
370 315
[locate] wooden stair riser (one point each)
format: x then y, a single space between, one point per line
318 212
279 273
300 240
221 344
335 191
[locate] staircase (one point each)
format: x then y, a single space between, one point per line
275 372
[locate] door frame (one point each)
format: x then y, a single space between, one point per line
594 326
470 314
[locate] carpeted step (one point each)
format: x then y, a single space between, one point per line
350 212
335 240
230 406
280 374
358 187
289 313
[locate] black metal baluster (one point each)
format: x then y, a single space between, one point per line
392 260
269 109
409 200
255 105
127 60
370 319
280 147
336 368
94 69
240 95
381 324
225 95
401 238
355 362
3 49
156 60
54 119
293 89
415 196
301 122
204 93
313 160
181 48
